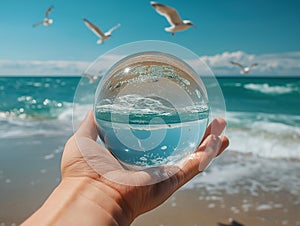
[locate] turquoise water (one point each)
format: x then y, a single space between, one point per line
266 95
248 95
36 97
259 110
151 144
149 131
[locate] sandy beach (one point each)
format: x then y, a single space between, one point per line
193 208
262 203
200 202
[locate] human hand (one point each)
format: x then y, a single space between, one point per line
132 190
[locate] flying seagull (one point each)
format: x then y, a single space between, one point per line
46 21
93 78
173 18
98 32
245 69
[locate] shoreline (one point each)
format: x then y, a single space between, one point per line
244 187
192 207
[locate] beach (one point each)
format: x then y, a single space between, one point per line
256 181
185 208
208 199
248 200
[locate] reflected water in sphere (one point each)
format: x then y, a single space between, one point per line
151 109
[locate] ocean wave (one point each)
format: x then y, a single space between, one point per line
255 175
265 135
26 122
31 109
269 89
26 125
143 105
18 129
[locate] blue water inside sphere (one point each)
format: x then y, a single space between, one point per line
151 109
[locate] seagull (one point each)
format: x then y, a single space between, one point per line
92 78
173 18
245 69
46 21
98 32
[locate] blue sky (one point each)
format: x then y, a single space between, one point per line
237 29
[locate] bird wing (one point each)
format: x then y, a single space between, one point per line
253 65
112 29
37 24
88 75
237 64
93 28
170 13
49 10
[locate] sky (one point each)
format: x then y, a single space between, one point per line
247 31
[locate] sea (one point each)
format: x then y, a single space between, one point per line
263 126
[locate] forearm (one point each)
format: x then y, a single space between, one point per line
81 201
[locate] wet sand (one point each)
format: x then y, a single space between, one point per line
251 190
198 208
194 208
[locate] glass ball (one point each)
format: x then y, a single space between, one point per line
151 109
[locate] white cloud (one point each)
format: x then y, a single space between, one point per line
9 67
269 64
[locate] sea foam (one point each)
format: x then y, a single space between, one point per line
268 89
264 135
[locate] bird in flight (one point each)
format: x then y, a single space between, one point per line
177 24
92 78
98 32
245 69
47 21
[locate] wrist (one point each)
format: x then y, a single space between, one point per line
103 197
82 201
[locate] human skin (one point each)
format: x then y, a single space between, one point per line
85 197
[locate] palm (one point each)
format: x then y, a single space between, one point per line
141 190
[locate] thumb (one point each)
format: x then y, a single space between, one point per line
88 127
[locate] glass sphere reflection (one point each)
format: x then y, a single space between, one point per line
151 109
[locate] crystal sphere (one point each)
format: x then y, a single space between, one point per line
151 109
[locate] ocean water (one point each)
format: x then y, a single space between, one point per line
141 146
263 117
146 131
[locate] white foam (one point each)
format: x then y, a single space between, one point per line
235 173
266 142
267 89
66 115
136 103
19 128
50 156
264 207
7 180
257 134
22 125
